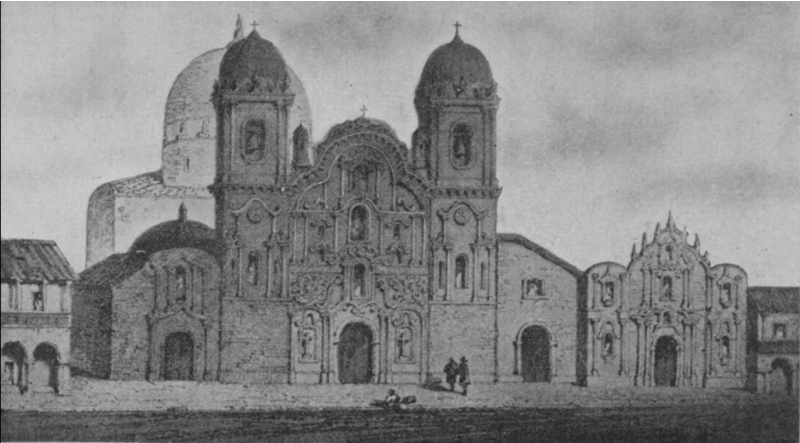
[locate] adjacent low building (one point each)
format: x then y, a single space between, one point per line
773 323
36 305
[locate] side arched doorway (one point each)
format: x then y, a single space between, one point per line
44 374
179 357
535 355
665 366
782 377
355 354
15 363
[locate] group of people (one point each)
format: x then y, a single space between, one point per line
457 372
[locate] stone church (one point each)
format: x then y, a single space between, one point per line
359 259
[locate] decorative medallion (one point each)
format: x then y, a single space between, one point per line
462 216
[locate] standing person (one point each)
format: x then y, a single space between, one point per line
451 372
463 375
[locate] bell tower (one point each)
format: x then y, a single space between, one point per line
252 99
454 147
456 104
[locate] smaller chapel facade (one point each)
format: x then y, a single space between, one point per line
669 318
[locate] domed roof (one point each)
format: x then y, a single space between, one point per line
253 59
455 70
180 233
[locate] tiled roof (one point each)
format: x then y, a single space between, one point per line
547 255
112 270
774 299
34 260
152 184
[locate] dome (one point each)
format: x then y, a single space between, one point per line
190 121
455 70
180 233
253 63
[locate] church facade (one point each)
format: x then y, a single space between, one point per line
359 259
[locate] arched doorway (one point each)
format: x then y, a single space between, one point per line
665 367
44 374
179 356
355 354
535 354
14 365
782 376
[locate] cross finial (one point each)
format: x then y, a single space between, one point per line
363 111
457 25
254 24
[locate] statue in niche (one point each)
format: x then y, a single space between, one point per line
404 344
727 294
307 342
359 280
608 344
359 224
180 285
255 132
608 294
666 288
462 145
726 347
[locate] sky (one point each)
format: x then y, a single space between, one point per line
611 115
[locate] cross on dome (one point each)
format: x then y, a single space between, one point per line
254 24
363 111
457 25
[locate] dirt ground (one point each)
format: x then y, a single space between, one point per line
758 422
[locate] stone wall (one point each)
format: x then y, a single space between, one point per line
91 330
131 304
555 309
463 330
255 342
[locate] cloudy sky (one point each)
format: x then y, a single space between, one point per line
611 114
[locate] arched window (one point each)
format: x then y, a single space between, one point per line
359 223
252 268
254 140
180 284
608 344
670 253
461 272
359 280
359 179
462 145
442 275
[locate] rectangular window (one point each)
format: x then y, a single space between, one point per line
779 330
38 301
532 288
483 275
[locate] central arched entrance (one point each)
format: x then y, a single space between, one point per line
665 367
535 355
355 354
179 357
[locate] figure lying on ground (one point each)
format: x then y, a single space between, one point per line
394 402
